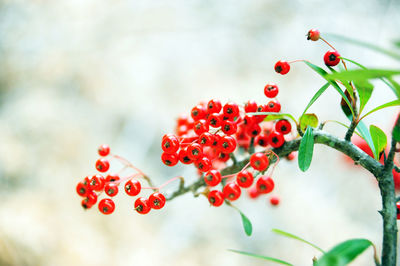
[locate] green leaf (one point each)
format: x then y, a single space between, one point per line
379 138
323 74
344 253
364 44
362 74
306 149
248 228
364 89
273 116
389 104
316 96
365 134
395 87
396 130
261 257
283 233
308 120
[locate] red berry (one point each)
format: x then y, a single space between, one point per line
253 130
142 205
228 127
276 139
133 187
274 200
250 107
214 120
261 108
231 110
212 178
203 164
206 139
259 161
106 206
398 210
271 90
82 189
231 191
262 140
331 58
200 126
249 120
104 150
244 179
111 189
182 120
227 144
253 192
181 130
170 144
169 159
214 106
282 67
291 156
194 151
112 178
97 183
283 126
183 157
265 185
86 181
223 157
90 200
198 112
216 198
313 35
157 200
273 106
102 165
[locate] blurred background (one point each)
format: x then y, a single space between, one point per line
78 73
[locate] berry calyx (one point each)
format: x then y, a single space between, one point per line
214 120
111 189
157 200
283 126
262 140
102 165
271 90
273 106
206 139
227 144
231 110
231 191
331 58
265 185
112 178
82 189
106 206
198 112
170 144
244 179
203 164
228 127
194 151
104 150
313 35
212 178
97 183
214 106
184 158
259 161
169 159
142 205
282 67
216 198
133 187
90 200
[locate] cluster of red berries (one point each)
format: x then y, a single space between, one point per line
331 57
91 187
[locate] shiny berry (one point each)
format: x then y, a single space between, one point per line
203 164
198 112
206 139
231 110
276 139
214 106
253 130
133 187
106 206
282 67
214 120
90 200
253 192
244 179
104 150
265 185
82 189
249 120
262 140
212 178
274 200
102 165
157 200
283 126
313 35
112 178
291 156
273 106
223 157
250 107
259 161
142 205
111 189
228 127
97 183
170 144
216 198
331 58
169 159
201 126
231 191
182 120
195 151
183 157
271 90
227 144
261 108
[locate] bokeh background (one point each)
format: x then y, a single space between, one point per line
78 73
